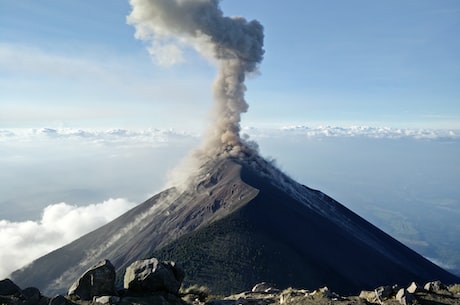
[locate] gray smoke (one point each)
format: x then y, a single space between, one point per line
235 43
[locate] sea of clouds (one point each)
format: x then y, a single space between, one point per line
155 136
23 241
60 183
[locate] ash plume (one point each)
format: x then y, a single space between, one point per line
233 42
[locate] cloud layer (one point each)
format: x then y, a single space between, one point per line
355 131
89 165
106 136
61 223
159 136
83 166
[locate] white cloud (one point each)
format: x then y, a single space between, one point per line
83 166
155 136
61 223
355 131
149 136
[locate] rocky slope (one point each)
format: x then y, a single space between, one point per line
150 281
242 221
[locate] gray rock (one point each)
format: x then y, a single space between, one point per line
325 291
434 286
7 287
414 287
160 298
383 292
404 297
264 287
106 299
59 300
150 275
221 302
395 288
369 296
97 281
378 295
288 295
32 295
43 301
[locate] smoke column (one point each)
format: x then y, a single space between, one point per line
236 44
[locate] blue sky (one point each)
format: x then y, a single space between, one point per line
386 63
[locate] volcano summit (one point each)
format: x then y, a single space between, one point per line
242 222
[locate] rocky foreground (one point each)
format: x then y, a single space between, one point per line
153 282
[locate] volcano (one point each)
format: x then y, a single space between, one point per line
237 220
242 221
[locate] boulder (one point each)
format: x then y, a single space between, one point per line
369 296
157 298
434 286
404 297
151 275
7 287
59 300
106 299
289 295
11 294
383 292
395 288
43 301
32 295
326 292
264 287
414 287
378 295
97 281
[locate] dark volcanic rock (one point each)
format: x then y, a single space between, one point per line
150 275
241 223
405 297
7 287
294 237
264 287
98 280
59 300
11 294
434 286
261 294
32 295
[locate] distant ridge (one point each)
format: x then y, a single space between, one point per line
242 222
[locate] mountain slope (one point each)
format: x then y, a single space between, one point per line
303 243
141 230
243 221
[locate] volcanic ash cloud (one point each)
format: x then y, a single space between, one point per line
236 44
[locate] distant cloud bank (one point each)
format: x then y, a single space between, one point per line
22 242
158 136
356 131
103 136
